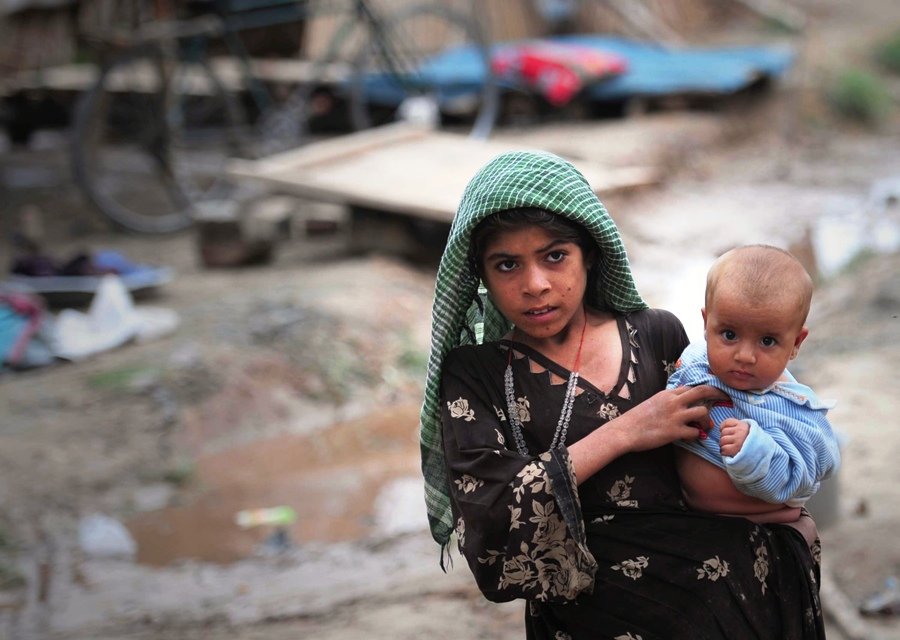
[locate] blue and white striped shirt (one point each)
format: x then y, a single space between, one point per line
791 446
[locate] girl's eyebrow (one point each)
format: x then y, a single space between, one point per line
498 255
552 244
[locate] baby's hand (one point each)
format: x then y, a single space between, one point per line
733 433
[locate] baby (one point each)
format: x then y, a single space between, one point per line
771 443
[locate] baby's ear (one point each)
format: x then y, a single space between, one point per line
798 341
703 313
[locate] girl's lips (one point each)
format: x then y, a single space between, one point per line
540 316
538 312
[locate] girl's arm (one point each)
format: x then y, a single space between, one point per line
517 518
672 414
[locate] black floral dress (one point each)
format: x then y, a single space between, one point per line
619 556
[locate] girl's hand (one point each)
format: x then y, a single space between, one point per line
673 414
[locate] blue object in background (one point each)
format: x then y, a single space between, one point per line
12 325
653 70
107 260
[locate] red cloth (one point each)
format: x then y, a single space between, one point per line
556 70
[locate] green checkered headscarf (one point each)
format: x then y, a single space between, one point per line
462 314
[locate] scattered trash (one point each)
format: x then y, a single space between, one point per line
279 542
421 110
281 516
98 263
886 602
23 331
103 537
111 321
74 279
74 282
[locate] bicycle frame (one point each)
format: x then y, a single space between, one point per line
227 19
170 160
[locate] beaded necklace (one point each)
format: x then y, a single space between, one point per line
512 407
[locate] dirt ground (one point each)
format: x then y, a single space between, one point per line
298 382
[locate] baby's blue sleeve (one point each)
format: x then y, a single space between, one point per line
790 449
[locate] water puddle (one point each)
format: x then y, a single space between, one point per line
839 239
346 482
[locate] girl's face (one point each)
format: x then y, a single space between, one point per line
536 279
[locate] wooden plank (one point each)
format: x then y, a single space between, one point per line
137 77
68 77
280 71
403 169
330 150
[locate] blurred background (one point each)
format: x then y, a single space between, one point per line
221 223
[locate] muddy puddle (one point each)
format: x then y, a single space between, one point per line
345 482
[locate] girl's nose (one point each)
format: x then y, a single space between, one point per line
536 281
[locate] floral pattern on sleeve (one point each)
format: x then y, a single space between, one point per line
514 514
545 562
459 408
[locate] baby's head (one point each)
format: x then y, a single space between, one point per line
757 301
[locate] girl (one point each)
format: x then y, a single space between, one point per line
546 433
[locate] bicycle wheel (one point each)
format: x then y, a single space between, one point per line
425 62
151 139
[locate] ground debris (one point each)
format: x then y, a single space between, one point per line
885 602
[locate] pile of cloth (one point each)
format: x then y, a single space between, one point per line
32 336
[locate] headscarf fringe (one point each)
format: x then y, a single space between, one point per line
445 550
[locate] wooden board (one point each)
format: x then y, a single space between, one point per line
404 169
139 77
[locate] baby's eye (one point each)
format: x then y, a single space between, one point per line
729 335
768 341
556 256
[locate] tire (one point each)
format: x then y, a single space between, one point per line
440 73
151 139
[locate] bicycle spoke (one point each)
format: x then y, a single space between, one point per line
425 62
152 139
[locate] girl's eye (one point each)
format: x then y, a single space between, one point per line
769 341
556 256
729 335
506 265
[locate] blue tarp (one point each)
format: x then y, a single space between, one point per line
653 70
